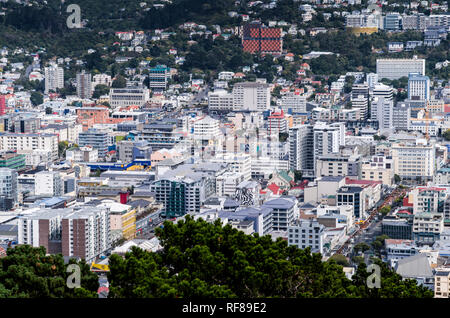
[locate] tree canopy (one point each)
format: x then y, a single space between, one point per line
200 259
26 272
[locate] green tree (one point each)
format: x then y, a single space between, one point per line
446 134
340 259
385 210
397 178
297 175
119 82
27 272
48 110
100 90
62 147
361 247
200 259
36 98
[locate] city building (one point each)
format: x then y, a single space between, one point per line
398 68
124 97
251 96
8 189
159 76
84 85
418 87
307 233
54 78
96 139
257 38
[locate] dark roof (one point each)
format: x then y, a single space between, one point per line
140 203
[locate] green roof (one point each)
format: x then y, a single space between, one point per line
285 176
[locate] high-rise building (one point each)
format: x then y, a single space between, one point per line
96 139
327 139
301 149
82 232
397 68
418 87
8 189
401 116
252 96
383 111
54 78
294 103
159 77
413 161
48 183
257 38
84 85
383 91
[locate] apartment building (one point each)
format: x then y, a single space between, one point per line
48 183
307 233
427 227
442 283
73 232
283 212
54 78
220 100
30 142
293 103
84 85
335 164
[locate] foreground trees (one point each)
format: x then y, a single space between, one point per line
208 260
26 272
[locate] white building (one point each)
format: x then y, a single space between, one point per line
296 103
397 68
383 111
418 87
54 78
413 160
307 233
19 142
124 97
101 79
84 85
48 183
220 100
251 96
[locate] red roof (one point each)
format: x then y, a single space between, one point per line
404 212
447 108
274 188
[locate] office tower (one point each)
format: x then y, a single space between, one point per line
392 22
397 68
418 87
382 111
220 100
8 189
252 96
159 77
362 103
293 103
54 78
257 38
414 160
383 91
401 116
96 139
301 149
84 85
360 99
